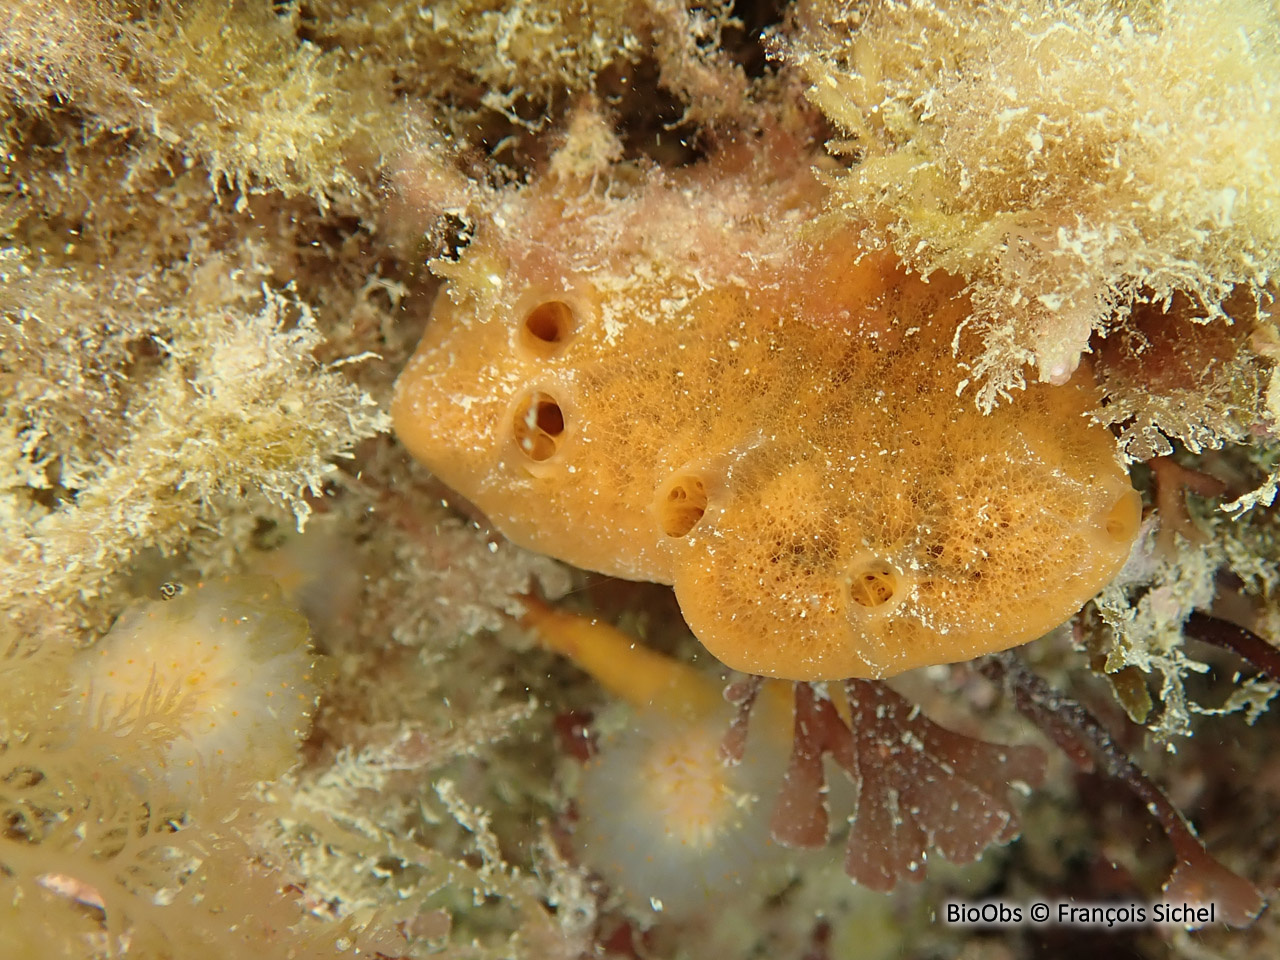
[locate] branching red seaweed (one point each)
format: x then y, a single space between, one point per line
918 787
1197 878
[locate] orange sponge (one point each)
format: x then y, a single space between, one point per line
777 427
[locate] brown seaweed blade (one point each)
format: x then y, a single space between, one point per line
1197 878
917 786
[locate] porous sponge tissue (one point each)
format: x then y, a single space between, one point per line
779 429
227 663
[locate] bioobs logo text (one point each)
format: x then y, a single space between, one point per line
993 912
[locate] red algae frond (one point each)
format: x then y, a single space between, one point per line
1197 877
918 787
